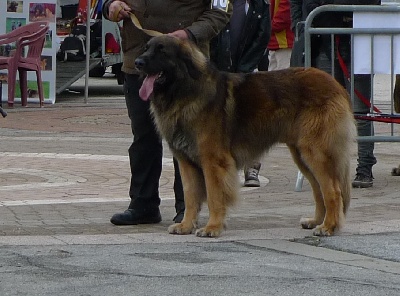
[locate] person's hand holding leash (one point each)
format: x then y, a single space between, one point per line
118 10
181 34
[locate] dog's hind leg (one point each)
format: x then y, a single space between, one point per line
194 195
221 180
319 215
325 171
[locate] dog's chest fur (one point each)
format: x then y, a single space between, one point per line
173 124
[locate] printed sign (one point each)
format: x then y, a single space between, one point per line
220 4
17 13
374 56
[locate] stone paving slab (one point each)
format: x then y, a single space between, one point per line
64 171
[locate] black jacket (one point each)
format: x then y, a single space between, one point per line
300 9
335 19
253 41
197 17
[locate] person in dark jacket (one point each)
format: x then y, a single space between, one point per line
197 20
241 44
240 47
298 14
362 82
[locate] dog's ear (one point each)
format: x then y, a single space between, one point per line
193 59
193 71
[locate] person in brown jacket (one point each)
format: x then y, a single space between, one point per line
197 20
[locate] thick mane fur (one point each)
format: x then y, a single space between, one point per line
196 56
215 122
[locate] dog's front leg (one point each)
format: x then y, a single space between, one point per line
194 194
221 180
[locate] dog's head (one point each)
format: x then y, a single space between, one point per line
13 6
168 61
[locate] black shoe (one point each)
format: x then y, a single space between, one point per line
179 216
362 181
134 217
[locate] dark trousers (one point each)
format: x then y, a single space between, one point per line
362 83
145 153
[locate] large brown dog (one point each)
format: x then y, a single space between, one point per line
215 122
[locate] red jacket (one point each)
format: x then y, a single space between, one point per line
281 34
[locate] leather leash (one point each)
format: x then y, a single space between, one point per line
137 24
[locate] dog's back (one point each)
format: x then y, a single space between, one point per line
287 106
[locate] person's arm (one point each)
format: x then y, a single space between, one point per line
296 13
310 5
115 10
209 24
105 8
281 18
253 54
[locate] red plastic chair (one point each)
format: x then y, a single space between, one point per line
31 36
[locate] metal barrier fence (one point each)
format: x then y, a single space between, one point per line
2 112
375 25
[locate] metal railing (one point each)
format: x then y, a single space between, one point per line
372 32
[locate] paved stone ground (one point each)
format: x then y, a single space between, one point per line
64 171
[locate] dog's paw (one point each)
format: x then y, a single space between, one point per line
308 223
209 231
180 228
322 230
396 171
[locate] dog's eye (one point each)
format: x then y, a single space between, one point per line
160 47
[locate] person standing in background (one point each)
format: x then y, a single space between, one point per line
342 63
240 47
196 20
298 14
282 37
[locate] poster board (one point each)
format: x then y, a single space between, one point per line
15 13
382 47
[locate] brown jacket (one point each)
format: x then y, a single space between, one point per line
197 17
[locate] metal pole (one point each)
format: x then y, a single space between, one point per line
2 112
87 51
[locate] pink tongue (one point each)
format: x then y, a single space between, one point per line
146 89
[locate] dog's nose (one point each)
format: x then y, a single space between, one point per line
139 63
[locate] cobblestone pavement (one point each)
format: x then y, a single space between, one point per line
64 171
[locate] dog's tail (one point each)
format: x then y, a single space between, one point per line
345 188
347 142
